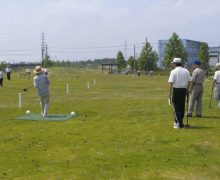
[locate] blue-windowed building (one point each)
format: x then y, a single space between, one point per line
191 47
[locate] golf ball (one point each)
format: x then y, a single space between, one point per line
28 112
73 113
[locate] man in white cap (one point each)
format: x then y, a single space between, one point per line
8 72
179 81
41 82
216 84
196 90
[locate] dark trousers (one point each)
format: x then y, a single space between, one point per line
8 75
1 82
179 97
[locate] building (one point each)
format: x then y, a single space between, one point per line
214 55
191 47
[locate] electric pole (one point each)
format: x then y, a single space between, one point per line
42 47
134 59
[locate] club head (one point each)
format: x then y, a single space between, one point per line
24 89
187 126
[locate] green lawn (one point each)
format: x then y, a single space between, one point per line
123 130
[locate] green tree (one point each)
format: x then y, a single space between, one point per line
120 60
148 58
203 55
174 48
47 61
131 62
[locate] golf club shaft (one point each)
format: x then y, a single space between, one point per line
210 103
187 107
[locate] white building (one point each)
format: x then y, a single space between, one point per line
214 53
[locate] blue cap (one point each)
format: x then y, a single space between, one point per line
197 62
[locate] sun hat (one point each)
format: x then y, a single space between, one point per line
176 60
37 70
197 62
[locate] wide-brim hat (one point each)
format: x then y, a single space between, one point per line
37 70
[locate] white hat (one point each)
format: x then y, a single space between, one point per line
177 60
217 65
37 70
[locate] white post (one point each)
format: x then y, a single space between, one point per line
67 88
88 85
19 100
94 82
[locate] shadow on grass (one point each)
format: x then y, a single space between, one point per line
197 127
209 117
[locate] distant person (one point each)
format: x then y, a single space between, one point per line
151 73
216 84
179 81
1 77
28 72
41 82
139 73
8 72
45 70
196 90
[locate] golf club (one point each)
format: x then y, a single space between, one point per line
187 108
170 103
25 89
210 103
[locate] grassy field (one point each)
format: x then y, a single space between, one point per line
123 130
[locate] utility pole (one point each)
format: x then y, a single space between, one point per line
42 47
125 51
134 59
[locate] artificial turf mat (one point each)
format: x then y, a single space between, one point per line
50 117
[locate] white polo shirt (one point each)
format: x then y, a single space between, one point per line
217 76
1 74
179 77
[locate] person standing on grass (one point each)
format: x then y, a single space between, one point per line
216 84
179 82
8 72
1 77
41 82
45 70
28 72
196 90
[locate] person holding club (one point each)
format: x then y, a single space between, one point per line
41 82
179 81
196 90
216 84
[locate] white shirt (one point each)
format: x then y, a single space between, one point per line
179 77
217 76
7 69
1 74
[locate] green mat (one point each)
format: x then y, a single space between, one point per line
50 117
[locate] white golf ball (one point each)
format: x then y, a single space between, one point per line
73 113
28 112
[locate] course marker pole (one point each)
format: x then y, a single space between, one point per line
88 85
67 88
19 100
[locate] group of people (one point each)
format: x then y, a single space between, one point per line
181 84
8 73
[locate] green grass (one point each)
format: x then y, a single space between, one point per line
123 130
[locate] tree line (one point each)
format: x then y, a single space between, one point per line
146 61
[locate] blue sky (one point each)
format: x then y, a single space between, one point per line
89 29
